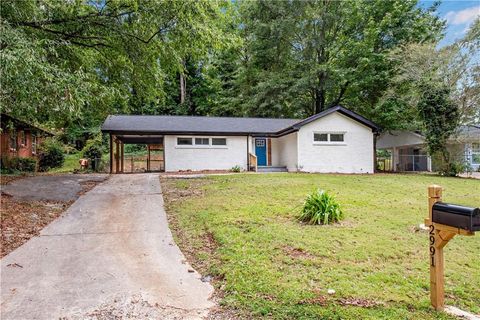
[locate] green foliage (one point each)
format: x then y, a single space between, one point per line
305 56
236 168
93 149
320 208
50 154
70 64
135 148
440 117
13 164
454 168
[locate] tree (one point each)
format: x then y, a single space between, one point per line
305 56
421 66
69 63
440 117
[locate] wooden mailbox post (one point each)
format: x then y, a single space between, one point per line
439 235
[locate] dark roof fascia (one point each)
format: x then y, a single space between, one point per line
342 110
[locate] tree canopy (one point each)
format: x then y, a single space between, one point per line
67 65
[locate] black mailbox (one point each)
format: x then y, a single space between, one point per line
465 218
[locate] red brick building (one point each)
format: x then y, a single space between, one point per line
19 139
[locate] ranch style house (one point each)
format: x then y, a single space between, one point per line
335 140
19 138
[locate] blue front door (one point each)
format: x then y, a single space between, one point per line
261 151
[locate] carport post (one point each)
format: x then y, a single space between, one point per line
117 156
121 159
111 154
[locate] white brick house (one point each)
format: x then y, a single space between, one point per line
335 140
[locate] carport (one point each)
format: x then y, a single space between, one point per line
118 140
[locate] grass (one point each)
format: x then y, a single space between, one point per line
268 264
71 163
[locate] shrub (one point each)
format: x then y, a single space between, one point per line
27 164
14 164
320 208
453 169
236 169
93 150
50 154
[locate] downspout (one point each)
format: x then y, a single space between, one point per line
248 153
375 135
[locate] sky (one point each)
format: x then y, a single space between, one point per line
459 15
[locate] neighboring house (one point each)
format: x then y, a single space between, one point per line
18 138
408 149
335 140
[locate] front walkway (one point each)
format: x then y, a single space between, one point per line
112 253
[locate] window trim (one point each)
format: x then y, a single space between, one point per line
201 146
23 139
34 143
329 142
13 137
220 145
184 145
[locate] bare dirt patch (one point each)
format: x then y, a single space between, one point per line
358 302
323 300
297 253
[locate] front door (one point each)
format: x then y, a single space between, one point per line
261 151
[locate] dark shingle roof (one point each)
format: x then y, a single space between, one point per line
193 124
136 124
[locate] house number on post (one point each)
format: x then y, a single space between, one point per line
444 222
432 245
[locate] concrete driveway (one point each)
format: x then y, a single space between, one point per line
110 256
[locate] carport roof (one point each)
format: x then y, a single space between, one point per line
159 125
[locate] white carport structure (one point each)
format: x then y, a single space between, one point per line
407 151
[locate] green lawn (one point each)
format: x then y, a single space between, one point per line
242 229
70 163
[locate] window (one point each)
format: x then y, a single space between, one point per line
475 147
260 143
23 139
219 141
202 141
336 137
13 140
328 137
34 144
320 137
475 153
184 141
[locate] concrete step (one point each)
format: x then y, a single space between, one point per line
271 169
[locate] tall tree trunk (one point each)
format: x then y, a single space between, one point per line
320 94
183 88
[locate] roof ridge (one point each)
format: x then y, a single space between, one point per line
192 116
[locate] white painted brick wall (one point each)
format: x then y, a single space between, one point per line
355 155
197 158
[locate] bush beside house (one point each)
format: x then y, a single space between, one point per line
14 164
50 155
